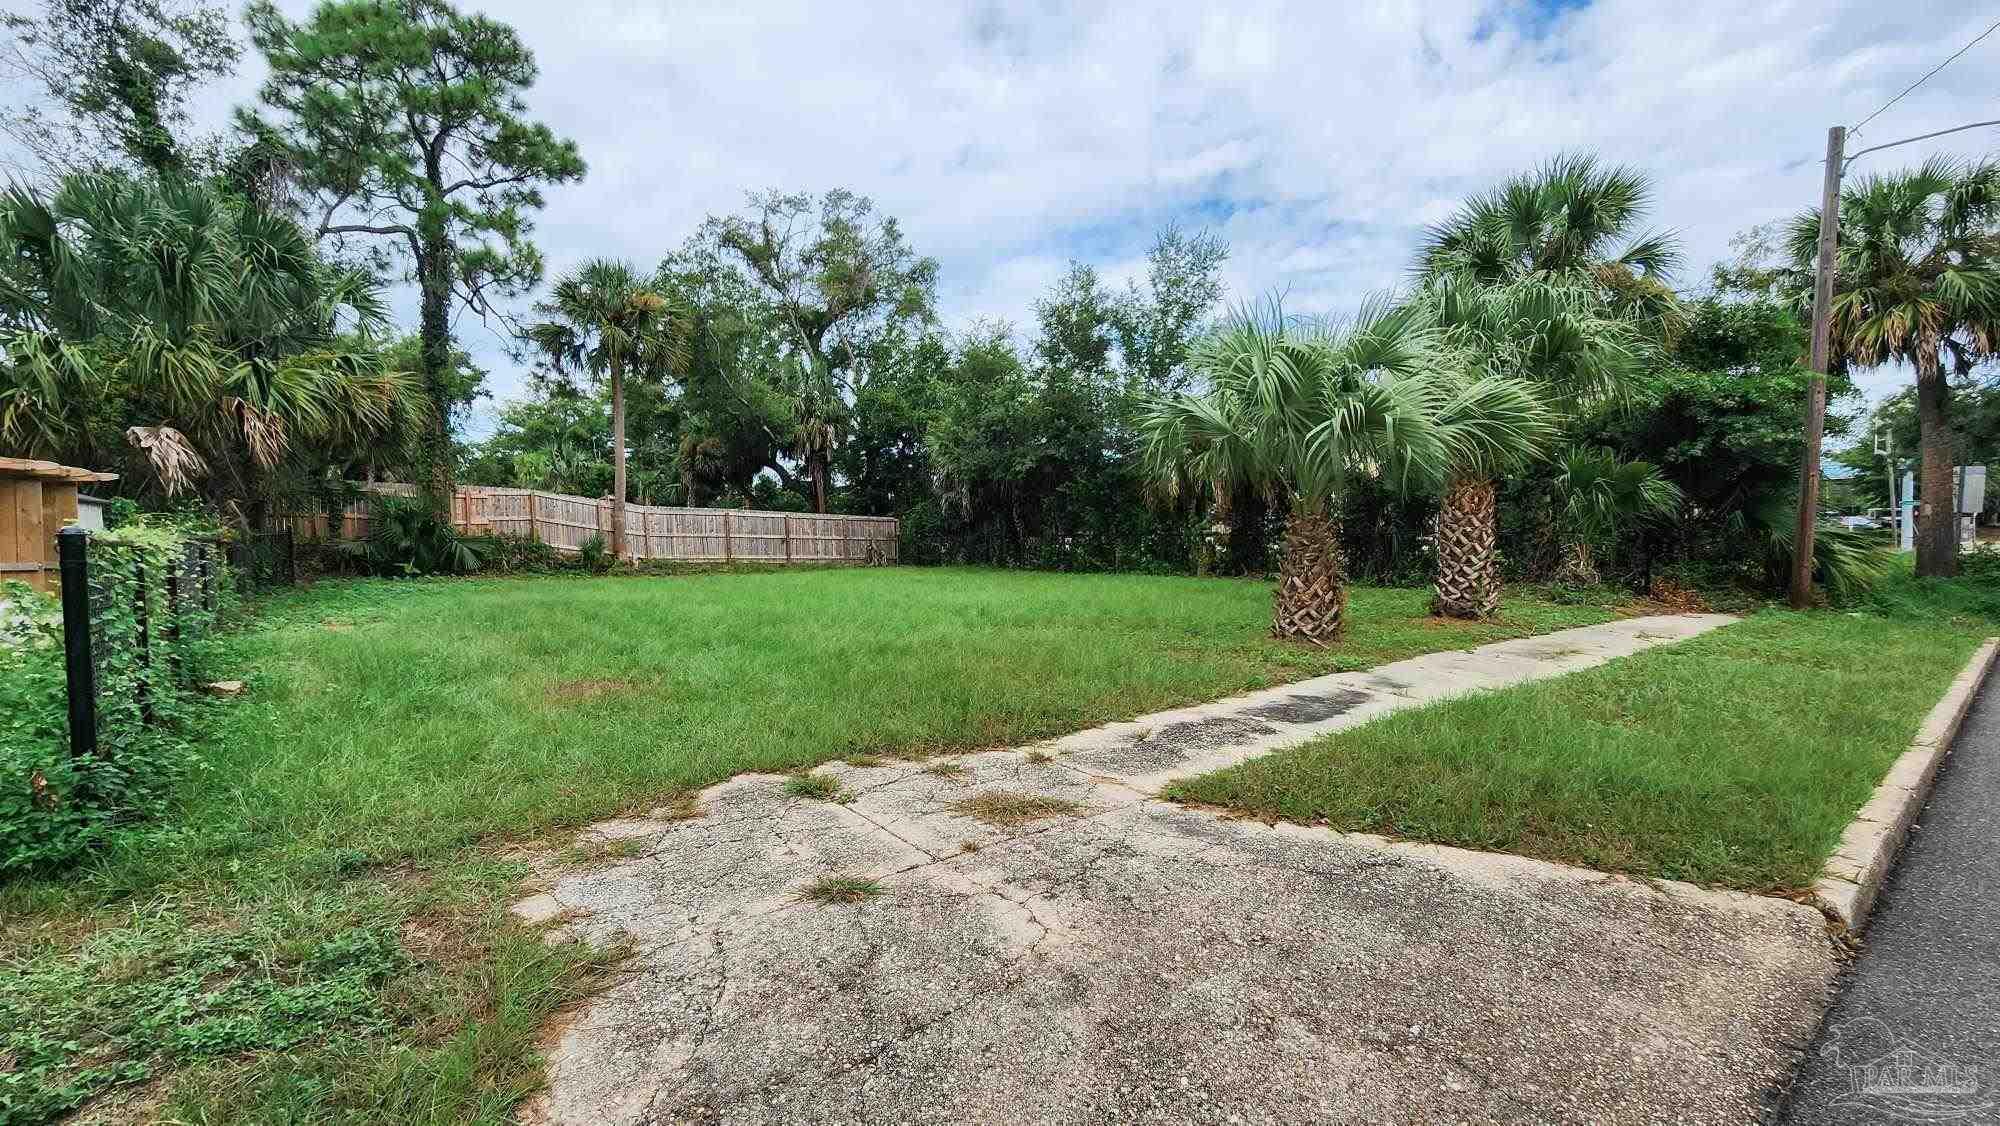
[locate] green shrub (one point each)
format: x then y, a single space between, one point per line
516 555
594 555
409 536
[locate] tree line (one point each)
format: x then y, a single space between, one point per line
1536 398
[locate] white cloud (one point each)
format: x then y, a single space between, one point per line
1317 138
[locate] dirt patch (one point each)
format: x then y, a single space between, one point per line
1678 599
1006 807
595 688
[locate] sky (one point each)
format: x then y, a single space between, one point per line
1317 139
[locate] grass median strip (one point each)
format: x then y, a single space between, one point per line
1734 759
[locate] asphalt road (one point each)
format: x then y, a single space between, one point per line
1914 1035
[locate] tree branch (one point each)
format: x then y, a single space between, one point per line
489 183
364 229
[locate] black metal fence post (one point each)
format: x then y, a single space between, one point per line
73 563
172 626
206 552
141 688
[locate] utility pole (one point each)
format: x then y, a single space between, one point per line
1822 330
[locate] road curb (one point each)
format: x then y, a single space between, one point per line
1852 877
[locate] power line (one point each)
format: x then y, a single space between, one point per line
1856 128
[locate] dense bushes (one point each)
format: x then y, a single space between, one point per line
154 596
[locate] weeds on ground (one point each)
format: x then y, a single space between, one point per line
842 889
824 787
1007 807
320 998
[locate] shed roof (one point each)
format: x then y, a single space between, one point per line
51 471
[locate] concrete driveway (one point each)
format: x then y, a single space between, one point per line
1047 943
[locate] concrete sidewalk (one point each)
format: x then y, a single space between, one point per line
1148 752
1046 942
1915 1033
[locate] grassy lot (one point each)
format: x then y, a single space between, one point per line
406 720
1734 759
319 933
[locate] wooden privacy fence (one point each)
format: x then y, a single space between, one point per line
694 535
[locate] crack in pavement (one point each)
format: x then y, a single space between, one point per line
1084 966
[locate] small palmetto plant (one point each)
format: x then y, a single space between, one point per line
1598 493
409 537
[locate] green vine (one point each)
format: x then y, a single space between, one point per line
156 593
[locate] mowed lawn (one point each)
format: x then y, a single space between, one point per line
1734 759
406 718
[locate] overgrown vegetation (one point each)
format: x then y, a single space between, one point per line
153 607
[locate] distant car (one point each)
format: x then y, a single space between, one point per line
1868 523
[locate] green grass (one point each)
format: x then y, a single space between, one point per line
842 889
407 720
1735 759
318 931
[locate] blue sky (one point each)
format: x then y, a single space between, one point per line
1317 138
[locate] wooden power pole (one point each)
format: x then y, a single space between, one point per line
1822 333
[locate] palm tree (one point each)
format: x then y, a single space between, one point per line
1917 272
603 319
1573 220
1499 425
1597 493
818 413
1544 279
1296 411
202 326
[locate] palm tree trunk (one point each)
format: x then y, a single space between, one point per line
1468 567
1214 556
1578 568
1937 523
1312 583
818 465
617 459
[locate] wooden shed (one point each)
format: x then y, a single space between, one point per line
37 498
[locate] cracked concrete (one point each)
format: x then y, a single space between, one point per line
1139 961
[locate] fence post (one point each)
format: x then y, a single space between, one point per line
728 549
73 563
172 627
788 539
145 639
291 557
532 533
207 551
